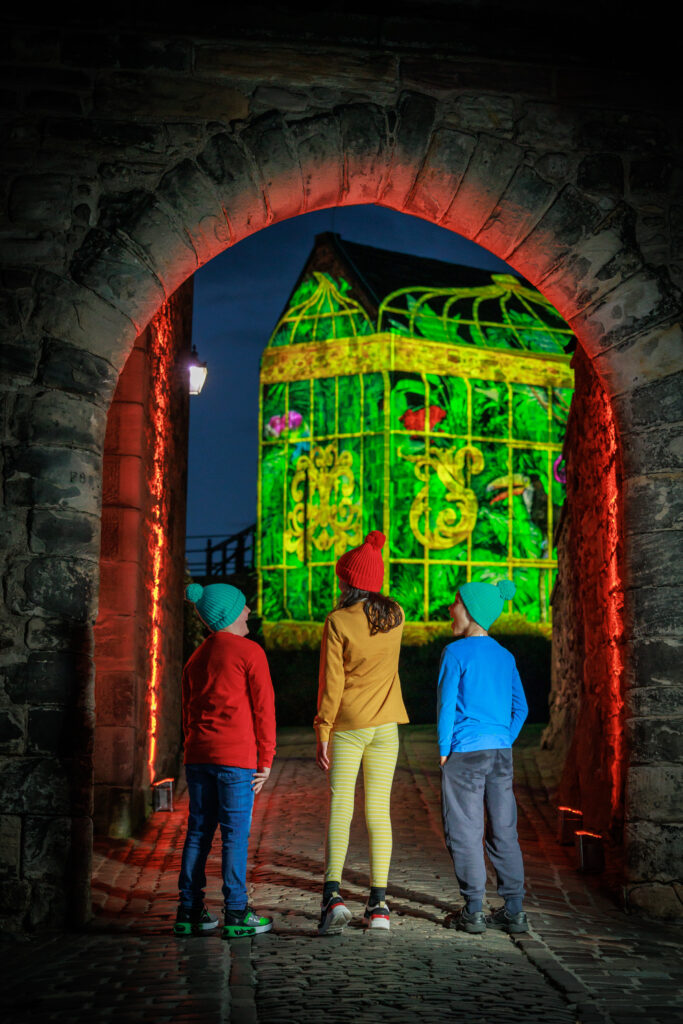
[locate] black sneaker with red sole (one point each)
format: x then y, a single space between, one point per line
377 916
334 916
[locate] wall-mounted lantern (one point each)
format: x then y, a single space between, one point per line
197 372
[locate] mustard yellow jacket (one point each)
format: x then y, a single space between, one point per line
358 685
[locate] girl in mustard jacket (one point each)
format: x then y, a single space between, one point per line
359 706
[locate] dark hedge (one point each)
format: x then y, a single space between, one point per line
295 678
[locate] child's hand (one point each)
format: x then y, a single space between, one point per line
260 779
442 759
321 756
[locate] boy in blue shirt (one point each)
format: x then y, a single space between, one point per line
481 708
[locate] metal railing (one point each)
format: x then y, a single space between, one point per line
225 556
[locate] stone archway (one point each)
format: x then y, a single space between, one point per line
143 244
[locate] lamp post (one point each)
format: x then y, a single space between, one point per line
197 372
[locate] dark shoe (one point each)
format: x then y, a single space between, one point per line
473 924
514 924
242 925
334 916
377 916
193 921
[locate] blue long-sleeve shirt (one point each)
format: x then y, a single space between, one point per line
480 700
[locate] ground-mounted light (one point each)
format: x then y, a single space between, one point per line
569 819
590 852
197 371
162 795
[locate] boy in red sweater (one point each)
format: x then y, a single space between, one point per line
229 726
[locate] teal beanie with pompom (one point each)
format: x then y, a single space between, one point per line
485 601
218 605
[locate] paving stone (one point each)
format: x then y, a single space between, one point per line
584 959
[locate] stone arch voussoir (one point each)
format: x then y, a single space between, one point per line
271 168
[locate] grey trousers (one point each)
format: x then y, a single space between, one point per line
470 780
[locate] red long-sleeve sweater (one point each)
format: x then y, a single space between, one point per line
228 704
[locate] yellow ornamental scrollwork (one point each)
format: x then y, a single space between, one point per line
324 515
453 524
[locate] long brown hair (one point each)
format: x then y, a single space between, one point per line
382 613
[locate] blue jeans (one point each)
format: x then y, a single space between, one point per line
218 795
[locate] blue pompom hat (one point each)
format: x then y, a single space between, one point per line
218 605
485 601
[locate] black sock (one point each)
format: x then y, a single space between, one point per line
329 889
377 896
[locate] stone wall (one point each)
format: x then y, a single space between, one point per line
566 665
616 719
124 639
587 696
132 158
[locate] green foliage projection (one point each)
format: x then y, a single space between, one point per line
319 311
401 436
504 314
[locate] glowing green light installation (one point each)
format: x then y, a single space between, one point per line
442 425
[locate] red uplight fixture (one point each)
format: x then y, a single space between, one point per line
590 852
162 795
568 820
197 372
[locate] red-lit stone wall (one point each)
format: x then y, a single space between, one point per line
138 635
587 698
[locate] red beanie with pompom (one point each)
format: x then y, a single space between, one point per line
362 567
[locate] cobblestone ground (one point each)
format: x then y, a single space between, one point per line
584 960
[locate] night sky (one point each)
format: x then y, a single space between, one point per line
238 298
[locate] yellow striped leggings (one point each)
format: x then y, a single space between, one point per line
377 748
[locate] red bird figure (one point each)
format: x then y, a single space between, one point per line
414 419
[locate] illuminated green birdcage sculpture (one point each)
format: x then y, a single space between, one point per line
441 423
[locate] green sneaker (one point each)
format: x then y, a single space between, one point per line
245 923
193 921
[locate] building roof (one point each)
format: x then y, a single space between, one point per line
383 271
429 298
375 273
